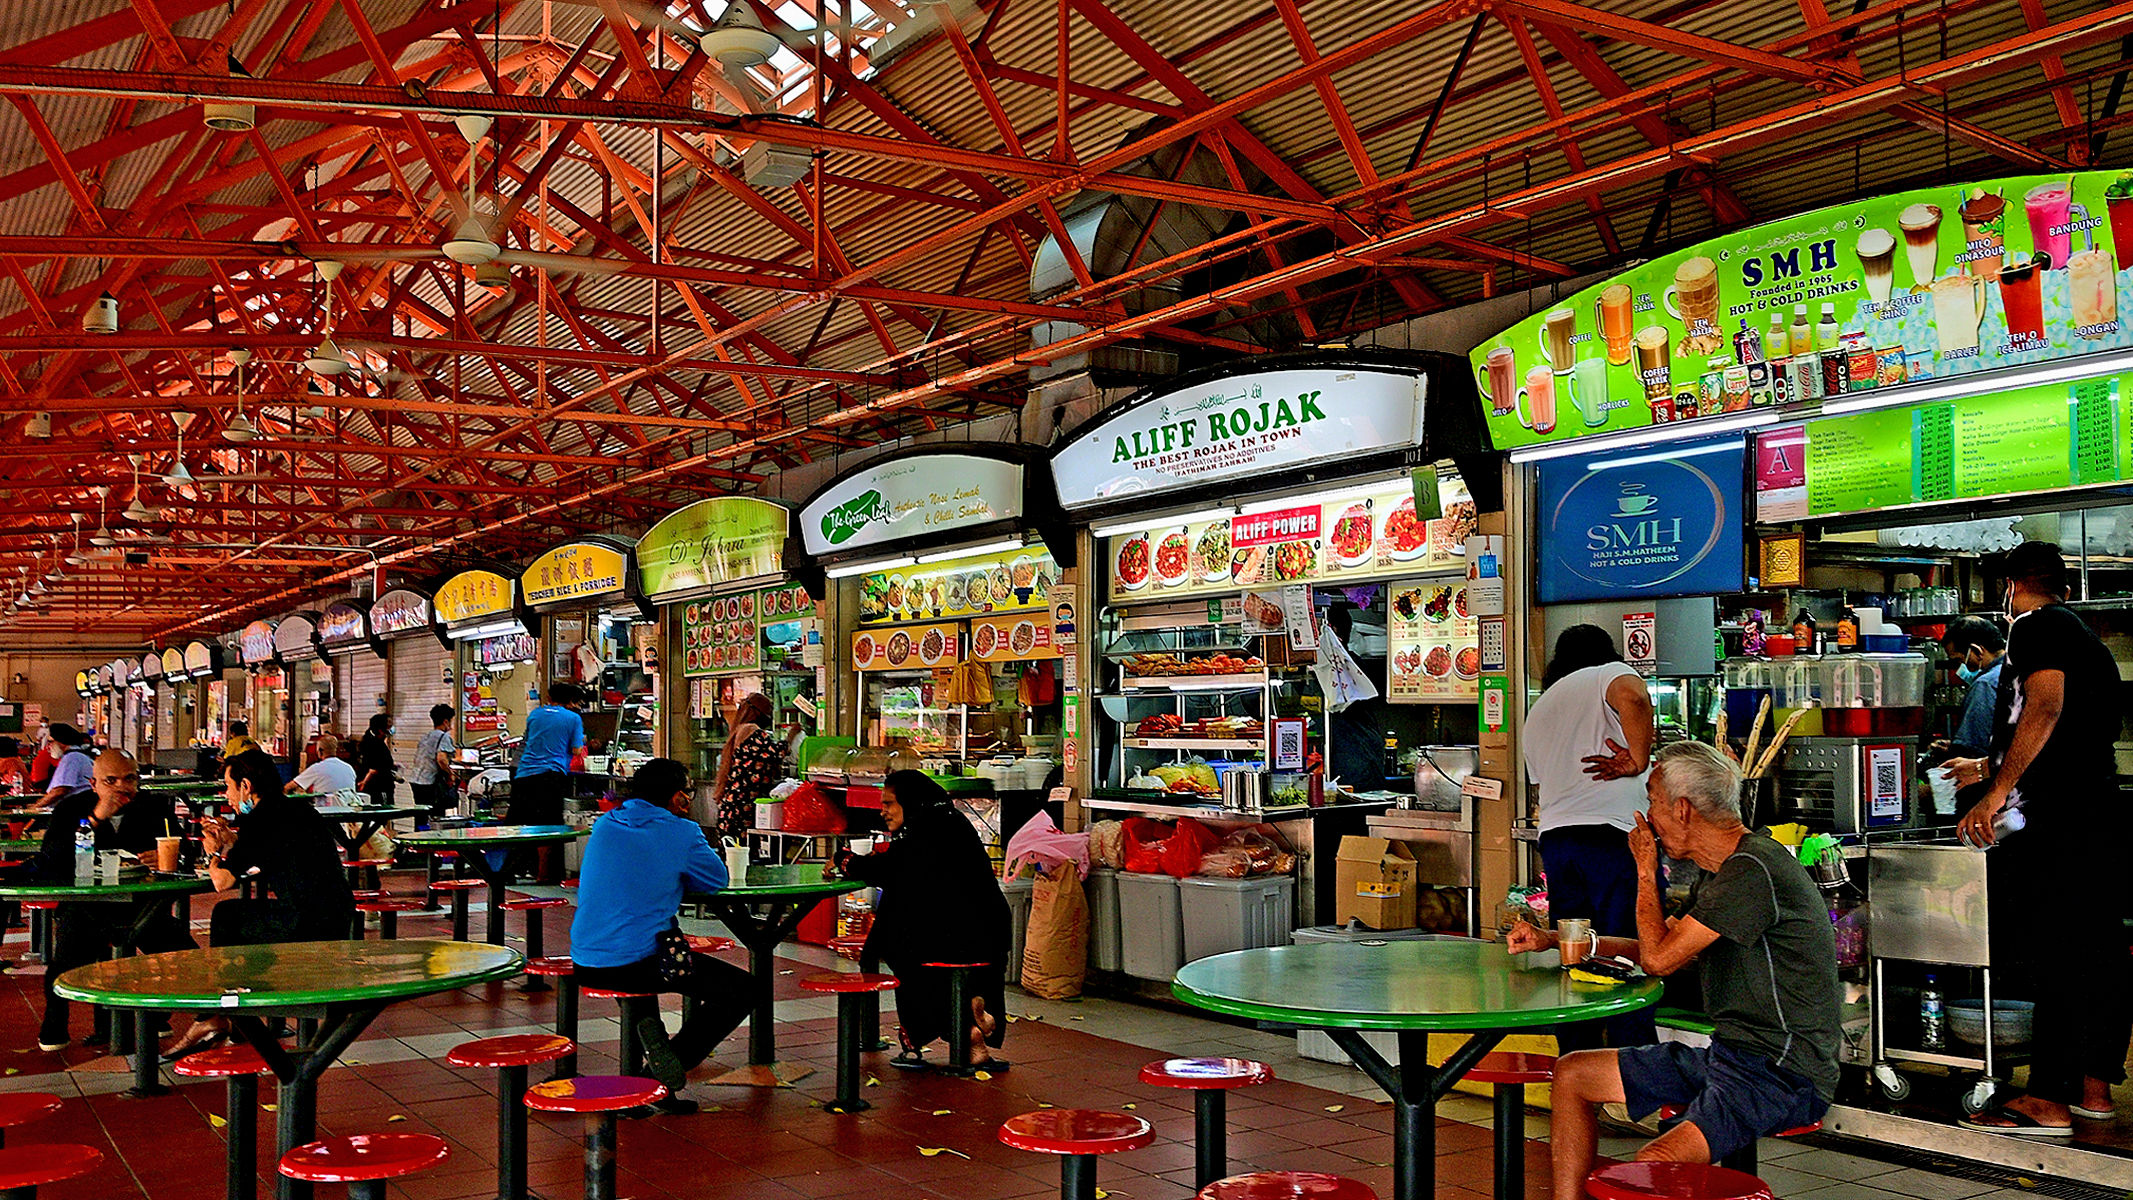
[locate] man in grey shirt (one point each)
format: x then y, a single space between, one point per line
431 776
1761 932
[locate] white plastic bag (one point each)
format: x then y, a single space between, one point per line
1340 680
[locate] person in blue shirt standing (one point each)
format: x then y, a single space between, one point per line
1974 644
642 857
554 732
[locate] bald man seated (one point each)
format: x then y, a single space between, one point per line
85 931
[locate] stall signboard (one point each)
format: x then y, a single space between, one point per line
578 571
2025 439
724 634
256 644
907 647
201 659
1337 538
509 648
1664 523
1239 428
292 638
717 541
1432 644
84 683
103 680
400 611
1012 639
917 496
150 669
173 663
473 596
959 587
1867 295
344 624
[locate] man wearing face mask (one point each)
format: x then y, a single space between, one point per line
1975 645
2053 762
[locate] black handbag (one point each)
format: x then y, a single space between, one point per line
671 958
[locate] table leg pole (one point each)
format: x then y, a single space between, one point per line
147 1056
496 908
1210 1120
297 1097
1414 1122
762 1019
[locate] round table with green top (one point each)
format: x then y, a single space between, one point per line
150 894
335 989
1414 988
470 843
367 820
763 908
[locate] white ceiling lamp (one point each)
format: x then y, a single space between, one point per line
40 425
239 428
470 245
229 116
326 358
178 476
102 315
102 536
737 39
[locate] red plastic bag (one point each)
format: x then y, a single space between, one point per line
1182 853
807 810
1143 838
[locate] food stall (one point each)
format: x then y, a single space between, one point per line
357 667
596 635
147 681
264 705
495 654
307 682
176 696
205 665
85 688
732 624
1241 518
1885 426
948 562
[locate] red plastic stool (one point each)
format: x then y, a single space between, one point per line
459 889
24 1169
1673 1181
852 990
533 907
1745 1158
356 867
566 1005
1286 1185
388 909
598 1098
959 1015
1077 1135
636 1006
21 1108
509 1056
1510 1073
700 944
848 948
364 1161
240 1068
1211 1080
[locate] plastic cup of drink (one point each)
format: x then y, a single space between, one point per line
1943 785
167 854
736 864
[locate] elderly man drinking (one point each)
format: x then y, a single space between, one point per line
1758 927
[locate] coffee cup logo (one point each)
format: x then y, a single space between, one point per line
1634 502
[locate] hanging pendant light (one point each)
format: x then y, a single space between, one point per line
738 39
326 358
102 536
39 426
102 315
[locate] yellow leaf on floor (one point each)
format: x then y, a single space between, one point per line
1042 1104
14 1070
942 1112
1335 1107
1128 1106
216 1121
983 1076
270 1108
873 1082
937 1151
1074 1018
396 1117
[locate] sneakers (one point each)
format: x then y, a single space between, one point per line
659 1057
48 1043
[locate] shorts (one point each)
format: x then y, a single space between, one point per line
538 799
1732 1096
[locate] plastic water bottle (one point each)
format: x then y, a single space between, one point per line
1932 1018
84 853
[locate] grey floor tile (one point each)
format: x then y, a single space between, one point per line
1788 1183
1844 1191
1835 1165
1929 1185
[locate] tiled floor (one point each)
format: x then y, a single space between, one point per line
925 1136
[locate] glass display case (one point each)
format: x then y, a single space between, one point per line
897 707
1187 696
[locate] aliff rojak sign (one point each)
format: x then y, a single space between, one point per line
1239 427
922 495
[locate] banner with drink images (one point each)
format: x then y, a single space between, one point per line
1868 294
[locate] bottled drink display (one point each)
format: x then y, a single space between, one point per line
84 853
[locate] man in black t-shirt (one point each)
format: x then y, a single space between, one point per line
2058 890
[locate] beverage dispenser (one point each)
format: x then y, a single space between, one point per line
1874 695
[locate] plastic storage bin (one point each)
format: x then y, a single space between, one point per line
1017 892
1106 941
1152 926
1221 915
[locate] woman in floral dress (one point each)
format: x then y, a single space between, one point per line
752 764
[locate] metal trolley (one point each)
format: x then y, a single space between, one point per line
1931 905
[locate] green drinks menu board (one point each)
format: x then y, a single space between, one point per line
2030 439
1841 301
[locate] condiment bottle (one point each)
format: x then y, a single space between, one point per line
1803 632
1848 630
1826 332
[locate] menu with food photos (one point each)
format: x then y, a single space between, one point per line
907 647
1433 643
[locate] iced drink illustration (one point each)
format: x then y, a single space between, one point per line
1984 232
2023 299
2050 206
1877 261
1958 310
1501 390
1591 378
1539 398
1617 315
1693 300
1921 241
2118 203
1557 328
2093 280
1654 364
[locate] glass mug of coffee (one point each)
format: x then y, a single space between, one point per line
1577 940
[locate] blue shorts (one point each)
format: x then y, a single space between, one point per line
1732 1096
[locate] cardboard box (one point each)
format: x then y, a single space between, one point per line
1374 882
1492 870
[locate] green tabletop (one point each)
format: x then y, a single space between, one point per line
488 835
770 881
125 888
288 975
1431 985
189 785
345 812
21 845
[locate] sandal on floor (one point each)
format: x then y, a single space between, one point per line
2023 1125
186 1046
996 1066
911 1059
2093 1114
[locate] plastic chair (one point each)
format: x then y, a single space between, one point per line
364 1161
1078 1136
388 909
598 1098
24 1169
509 1057
1286 1185
1673 1181
1211 1080
21 1108
853 990
356 867
1509 1073
240 1068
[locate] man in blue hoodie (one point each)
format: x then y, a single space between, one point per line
641 858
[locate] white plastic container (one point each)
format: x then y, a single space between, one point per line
1151 926
1221 915
770 814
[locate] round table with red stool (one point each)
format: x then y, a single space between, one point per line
598 1098
1210 1080
1078 1136
763 908
472 844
